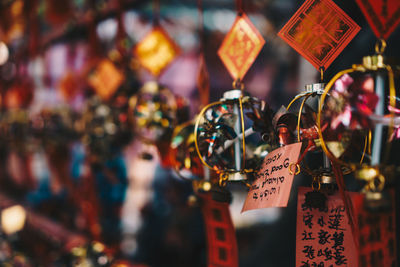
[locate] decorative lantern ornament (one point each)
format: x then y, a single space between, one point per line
229 135
320 41
153 112
306 131
357 105
225 131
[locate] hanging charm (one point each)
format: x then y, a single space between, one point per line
319 31
156 51
240 47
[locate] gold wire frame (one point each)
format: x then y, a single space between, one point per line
328 87
198 119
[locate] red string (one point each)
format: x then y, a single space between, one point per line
239 7
156 12
347 202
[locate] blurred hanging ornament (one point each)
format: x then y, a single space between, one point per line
156 51
100 131
360 108
106 79
228 135
185 160
153 112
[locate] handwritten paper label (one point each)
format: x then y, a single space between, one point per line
324 237
221 238
273 181
376 234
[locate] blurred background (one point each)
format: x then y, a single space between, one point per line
72 169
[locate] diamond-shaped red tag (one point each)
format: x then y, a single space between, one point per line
240 47
382 15
319 31
156 51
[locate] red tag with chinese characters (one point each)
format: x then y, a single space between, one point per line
376 234
221 237
156 51
324 237
274 179
382 15
319 31
240 47
106 79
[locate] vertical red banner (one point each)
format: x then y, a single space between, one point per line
221 237
324 237
377 234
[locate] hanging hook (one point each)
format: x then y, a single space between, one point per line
237 84
380 46
321 71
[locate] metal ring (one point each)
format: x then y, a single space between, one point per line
297 168
380 46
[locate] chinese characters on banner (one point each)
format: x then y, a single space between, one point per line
221 237
240 47
382 15
319 31
273 181
377 234
324 237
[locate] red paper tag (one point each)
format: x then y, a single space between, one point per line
273 181
156 51
221 238
240 47
324 238
376 234
319 31
382 15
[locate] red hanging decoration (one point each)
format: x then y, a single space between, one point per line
377 233
324 237
382 15
319 31
221 238
240 47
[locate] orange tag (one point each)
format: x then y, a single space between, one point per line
106 79
319 31
324 237
274 179
221 237
240 47
382 15
156 51
376 234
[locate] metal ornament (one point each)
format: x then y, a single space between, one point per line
228 135
359 108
